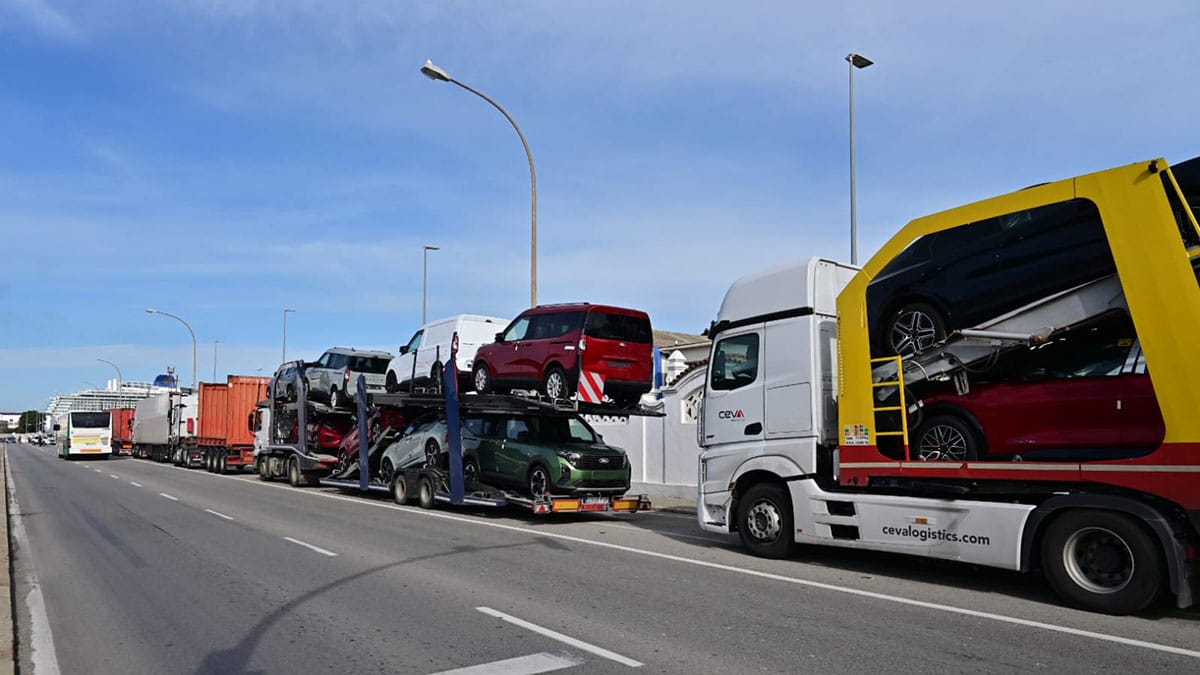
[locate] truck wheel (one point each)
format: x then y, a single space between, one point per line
425 492
208 461
264 469
764 520
556 387
1102 561
221 466
946 438
294 477
400 490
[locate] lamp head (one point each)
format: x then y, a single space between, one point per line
858 60
433 72
432 248
151 311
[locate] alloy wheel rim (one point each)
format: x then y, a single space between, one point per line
943 442
538 482
481 380
555 386
913 332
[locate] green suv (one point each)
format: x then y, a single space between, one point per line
538 455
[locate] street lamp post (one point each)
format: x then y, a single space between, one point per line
435 73
190 331
215 343
285 313
425 280
857 62
119 378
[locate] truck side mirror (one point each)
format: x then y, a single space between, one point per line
57 427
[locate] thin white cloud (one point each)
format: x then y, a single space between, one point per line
45 18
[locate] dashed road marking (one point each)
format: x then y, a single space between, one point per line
135 484
307 545
219 515
565 639
163 494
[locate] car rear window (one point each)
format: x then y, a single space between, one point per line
608 326
90 420
368 364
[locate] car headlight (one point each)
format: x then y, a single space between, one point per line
571 457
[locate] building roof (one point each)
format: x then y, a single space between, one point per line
664 339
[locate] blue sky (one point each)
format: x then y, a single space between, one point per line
224 159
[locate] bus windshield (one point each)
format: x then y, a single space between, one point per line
90 420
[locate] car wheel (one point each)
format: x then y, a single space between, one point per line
556 388
915 328
470 471
433 454
386 471
400 490
425 492
482 379
764 520
946 438
335 399
539 481
435 376
1102 561
390 385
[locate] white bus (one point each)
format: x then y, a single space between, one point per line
88 434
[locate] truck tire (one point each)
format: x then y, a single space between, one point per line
425 492
764 520
1102 561
293 471
221 466
264 469
400 490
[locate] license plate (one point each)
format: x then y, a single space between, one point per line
592 501
620 364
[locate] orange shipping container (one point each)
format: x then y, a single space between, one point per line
122 425
225 409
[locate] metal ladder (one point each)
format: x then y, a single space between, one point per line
902 408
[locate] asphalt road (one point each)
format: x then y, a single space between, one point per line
149 568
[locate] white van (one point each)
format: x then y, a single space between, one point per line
420 360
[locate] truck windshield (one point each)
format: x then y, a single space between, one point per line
90 420
368 364
608 326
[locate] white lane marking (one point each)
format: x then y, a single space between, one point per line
113 475
135 484
318 549
97 470
219 515
163 494
565 639
41 638
951 609
522 665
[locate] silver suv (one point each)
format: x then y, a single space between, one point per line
334 376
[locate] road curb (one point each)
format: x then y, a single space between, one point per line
8 629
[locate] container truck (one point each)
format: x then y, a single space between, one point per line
810 435
161 423
122 430
226 435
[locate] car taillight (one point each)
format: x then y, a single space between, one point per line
346 377
583 344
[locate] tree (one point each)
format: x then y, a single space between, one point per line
28 423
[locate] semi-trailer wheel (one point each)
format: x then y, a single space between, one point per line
294 477
764 520
400 490
425 492
264 468
221 463
1102 561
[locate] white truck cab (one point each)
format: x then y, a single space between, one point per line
769 402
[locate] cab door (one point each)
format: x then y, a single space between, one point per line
733 397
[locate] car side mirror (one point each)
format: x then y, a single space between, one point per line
500 337
57 427
403 350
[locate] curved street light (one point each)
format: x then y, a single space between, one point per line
119 378
435 73
193 334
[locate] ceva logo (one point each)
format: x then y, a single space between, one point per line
731 414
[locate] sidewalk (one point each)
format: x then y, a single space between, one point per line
673 498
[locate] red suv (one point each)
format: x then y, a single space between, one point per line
545 348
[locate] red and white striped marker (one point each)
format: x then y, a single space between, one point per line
591 387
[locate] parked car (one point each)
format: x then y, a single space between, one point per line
334 376
545 347
964 276
1087 396
429 348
